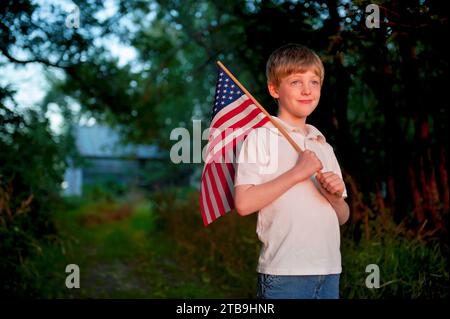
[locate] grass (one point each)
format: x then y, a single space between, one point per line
409 268
119 254
158 248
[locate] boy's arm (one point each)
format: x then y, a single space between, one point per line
251 198
341 208
330 183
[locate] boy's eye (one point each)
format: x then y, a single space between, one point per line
295 83
315 82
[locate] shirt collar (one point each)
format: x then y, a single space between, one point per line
313 132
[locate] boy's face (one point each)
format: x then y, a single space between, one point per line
298 94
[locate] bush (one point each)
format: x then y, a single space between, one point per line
225 253
409 266
31 171
222 255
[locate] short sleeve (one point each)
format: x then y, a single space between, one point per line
249 161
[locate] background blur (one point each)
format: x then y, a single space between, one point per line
90 91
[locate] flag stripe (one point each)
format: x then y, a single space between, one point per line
227 184
249 121
241 104
230 139
234 115
214 186
218 176
229 171
215 208
231 107
234 122
208 198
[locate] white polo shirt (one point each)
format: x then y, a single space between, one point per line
299 231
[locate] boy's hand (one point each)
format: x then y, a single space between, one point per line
332 186
307 164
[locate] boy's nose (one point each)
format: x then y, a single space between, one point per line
306 90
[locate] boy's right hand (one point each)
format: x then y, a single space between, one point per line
308 163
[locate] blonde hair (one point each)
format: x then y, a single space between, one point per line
290 59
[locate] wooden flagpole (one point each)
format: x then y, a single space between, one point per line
274 122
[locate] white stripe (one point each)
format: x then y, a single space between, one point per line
208 182
220 188
229 108
205 205
234 134
230 179
216 131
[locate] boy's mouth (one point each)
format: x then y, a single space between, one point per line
305 101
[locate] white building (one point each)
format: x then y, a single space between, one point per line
106 160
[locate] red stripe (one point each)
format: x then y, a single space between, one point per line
238 138
222 178
225 187
229 146
208 200
231 171
231 113
262 122
242 123
216 197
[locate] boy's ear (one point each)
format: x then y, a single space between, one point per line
273 90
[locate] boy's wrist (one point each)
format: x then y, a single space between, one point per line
335 199
298 175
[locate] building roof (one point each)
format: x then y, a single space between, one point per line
103 141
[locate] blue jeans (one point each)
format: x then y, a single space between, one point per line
298 287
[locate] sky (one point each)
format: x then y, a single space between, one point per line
30 83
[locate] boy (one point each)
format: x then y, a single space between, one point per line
299 211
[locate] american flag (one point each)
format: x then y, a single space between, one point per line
233 116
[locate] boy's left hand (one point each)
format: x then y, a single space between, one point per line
332 186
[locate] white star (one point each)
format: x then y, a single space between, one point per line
220 80
232 92
226 80
226 85
232 85
222 102
224 91
219 85
230 98
221 73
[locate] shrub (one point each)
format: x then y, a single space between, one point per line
225 253
222 255
31 171
409 266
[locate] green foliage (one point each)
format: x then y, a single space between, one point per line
134 247
409 268
383 108
16 243
119 254
383 98
223 255
226 252
31 170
